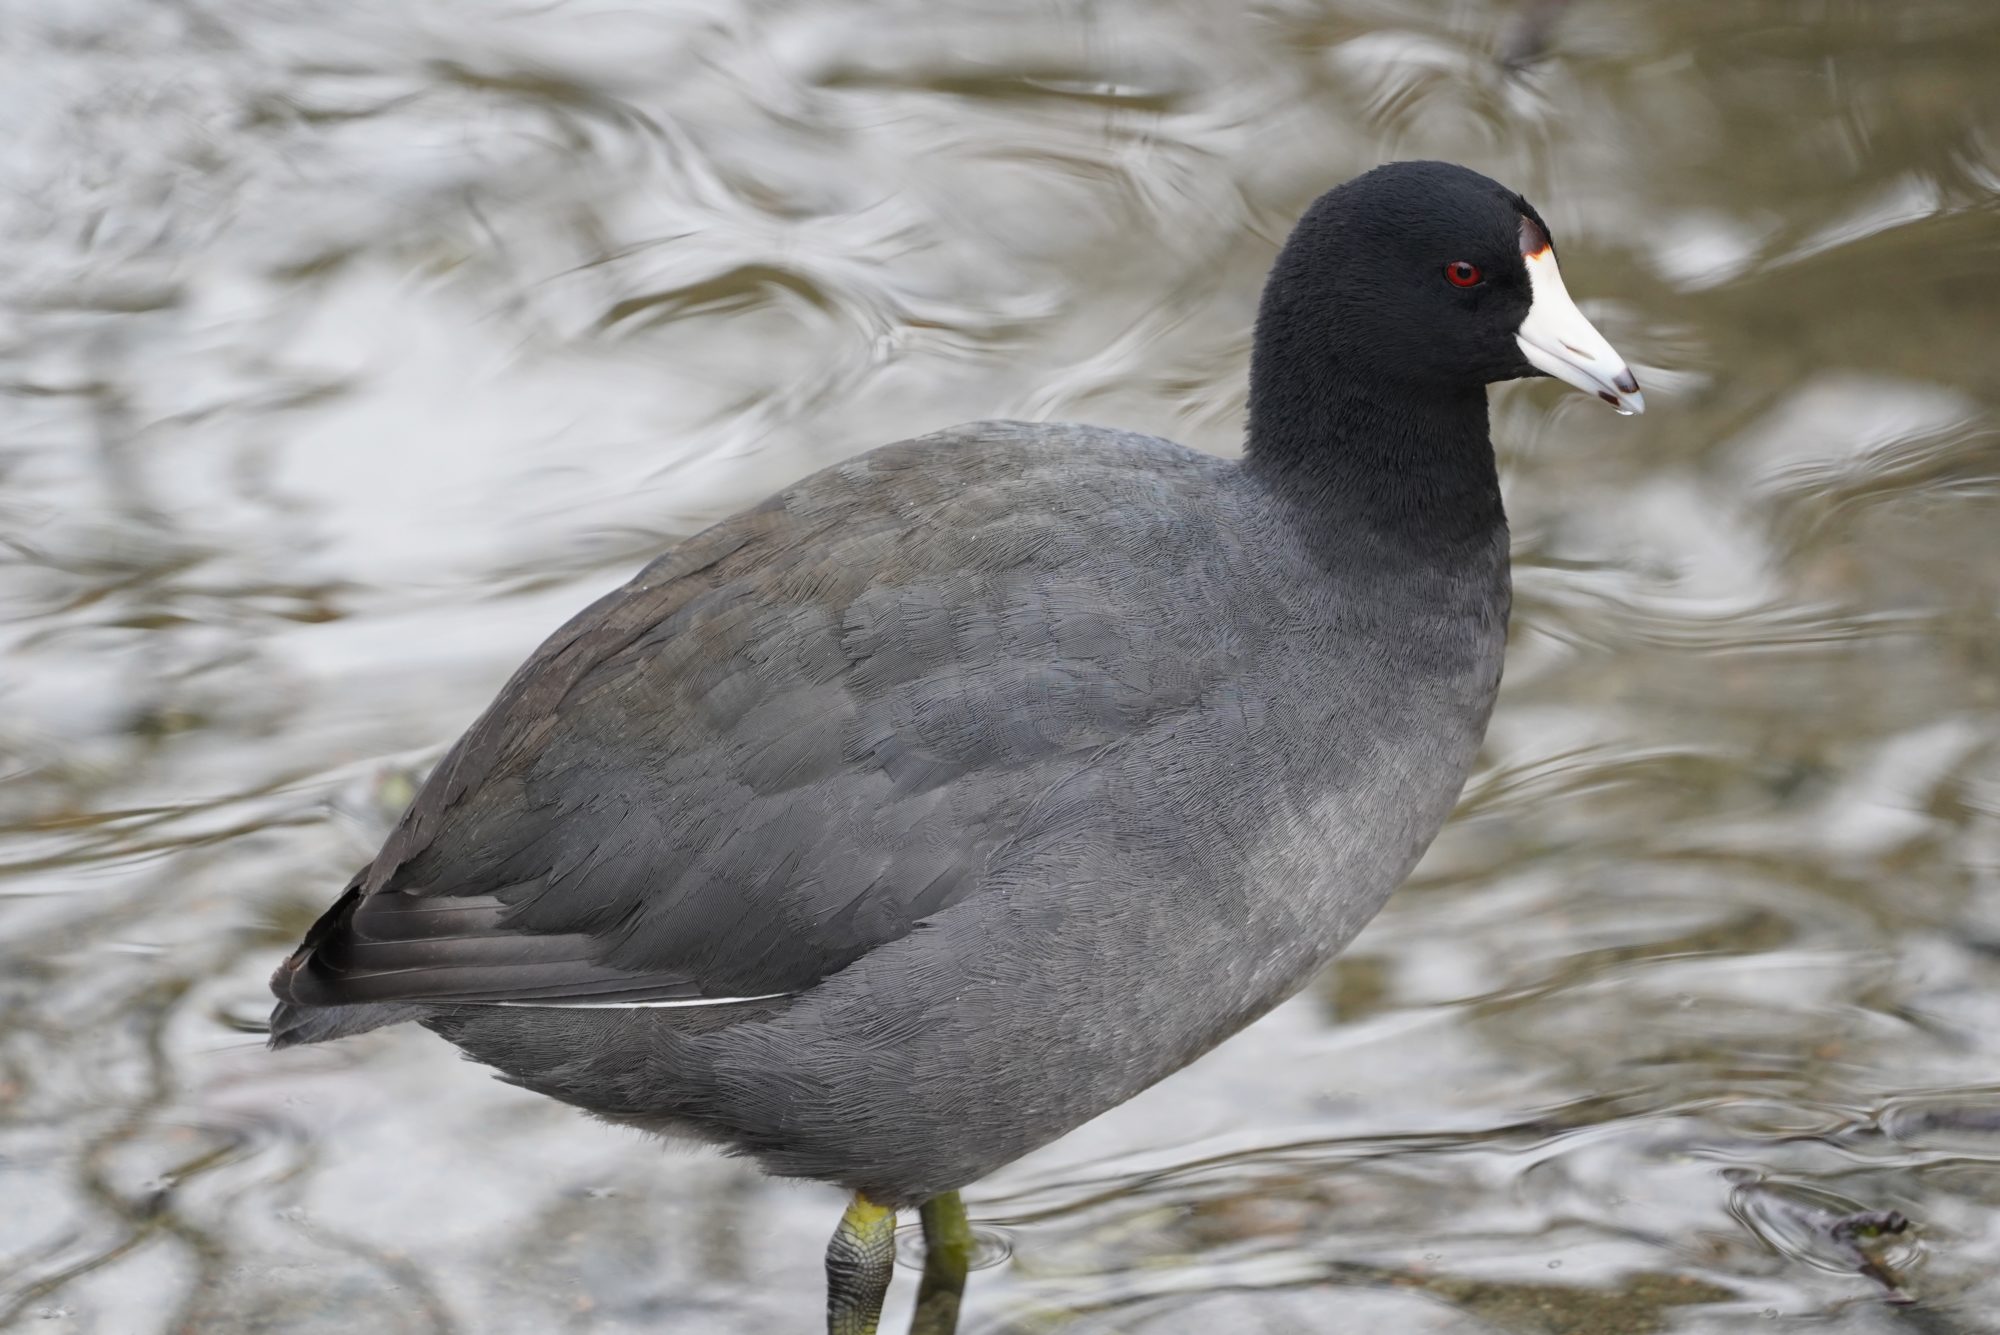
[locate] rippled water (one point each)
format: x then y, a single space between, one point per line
347 345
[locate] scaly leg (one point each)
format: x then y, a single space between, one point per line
859 1261
947 1256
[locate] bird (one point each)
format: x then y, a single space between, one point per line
901 823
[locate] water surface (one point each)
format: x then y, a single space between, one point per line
346 346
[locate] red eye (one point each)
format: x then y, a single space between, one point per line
1462 273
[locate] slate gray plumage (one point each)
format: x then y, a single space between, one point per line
1004 770
992 804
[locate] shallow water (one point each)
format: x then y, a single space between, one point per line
347 345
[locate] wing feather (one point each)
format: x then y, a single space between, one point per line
793 738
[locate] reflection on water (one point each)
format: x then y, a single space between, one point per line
347 347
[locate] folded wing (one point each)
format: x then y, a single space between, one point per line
791 740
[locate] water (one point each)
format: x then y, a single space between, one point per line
348 345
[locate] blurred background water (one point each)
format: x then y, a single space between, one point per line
346 346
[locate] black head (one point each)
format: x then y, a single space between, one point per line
1399 297
1426 278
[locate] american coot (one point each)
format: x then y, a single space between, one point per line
894 827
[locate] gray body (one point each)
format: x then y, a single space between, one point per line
1026 762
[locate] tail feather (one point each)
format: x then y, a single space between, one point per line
294 1022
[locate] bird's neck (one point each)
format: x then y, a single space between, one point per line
1361 468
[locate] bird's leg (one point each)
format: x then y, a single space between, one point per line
859 1262
947 1256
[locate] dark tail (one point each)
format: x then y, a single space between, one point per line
292 1024
294 1021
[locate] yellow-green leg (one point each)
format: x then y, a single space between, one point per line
859 1261
947 1256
